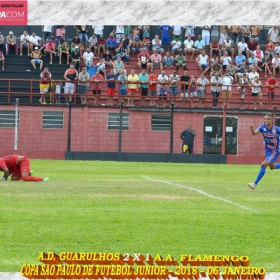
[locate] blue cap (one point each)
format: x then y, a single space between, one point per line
136 37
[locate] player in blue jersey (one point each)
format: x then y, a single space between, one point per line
271 135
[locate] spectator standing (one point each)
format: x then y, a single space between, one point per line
273 34
88 57
46 30
132 87
2 44
83 80
96 83
82 31
152 87
165 37
202 82
70 75
111 78
44 84
216 82
2 59
122 78
143 79
271 84
188 140
173 88
184 81
227 89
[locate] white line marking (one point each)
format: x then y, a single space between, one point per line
204 193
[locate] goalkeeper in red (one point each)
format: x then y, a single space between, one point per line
19 169
271 135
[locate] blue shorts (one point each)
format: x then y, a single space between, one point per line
165 41
271 156
122 92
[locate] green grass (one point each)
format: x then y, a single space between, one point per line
93 206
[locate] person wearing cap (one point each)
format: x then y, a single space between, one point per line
11 43
143 60
136 45
173 86
152 87
176 45
35 41
101 44
162 88
36 56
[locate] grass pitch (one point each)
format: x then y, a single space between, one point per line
155 208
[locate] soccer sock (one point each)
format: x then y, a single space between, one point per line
260 175
277 166
32 178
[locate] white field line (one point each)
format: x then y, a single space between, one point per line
205 194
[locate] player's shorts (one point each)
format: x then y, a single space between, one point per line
271 156
24 166
44 88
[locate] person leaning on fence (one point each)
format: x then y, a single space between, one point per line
70 75
243 81
216 82
44 84
83 80
271 84
57 92
227 89
188 140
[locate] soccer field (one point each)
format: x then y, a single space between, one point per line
155 208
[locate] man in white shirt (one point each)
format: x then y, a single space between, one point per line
275 63
206 35
177 32
34 41
162 85
188 44
176 45
227 89
47 30
243 47
24 42
203 62
273 34
98 30
88 57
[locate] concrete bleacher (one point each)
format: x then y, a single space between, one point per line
19 67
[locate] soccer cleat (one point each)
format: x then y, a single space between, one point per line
31 172
252 186
46 179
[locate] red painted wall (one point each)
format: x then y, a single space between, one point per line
90 133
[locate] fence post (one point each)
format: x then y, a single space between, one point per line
120 128
16 127
171 128
224 130
69 127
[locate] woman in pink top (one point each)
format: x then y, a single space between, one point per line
50 49
96 82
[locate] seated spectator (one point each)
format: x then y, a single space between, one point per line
76 42
50 49
231 71
143 60
126 43
146 44
176 45
61 40
243 47
96 83
108 58
225 59
188 46
242 69
202 61
156 61
252 46
2 59
168 60
136 45
122 52
216 68
24 42
214 48
277 48
101 44
2 44
11 43
180 61
35 41
270 49
36 56
156 45
199 45
75 56
239 58
118 66
87 57
93 43
265 64
64 49
101 67
111 43
228 47
275 63
53 38
253 62
258 53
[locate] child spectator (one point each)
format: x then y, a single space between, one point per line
57 92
